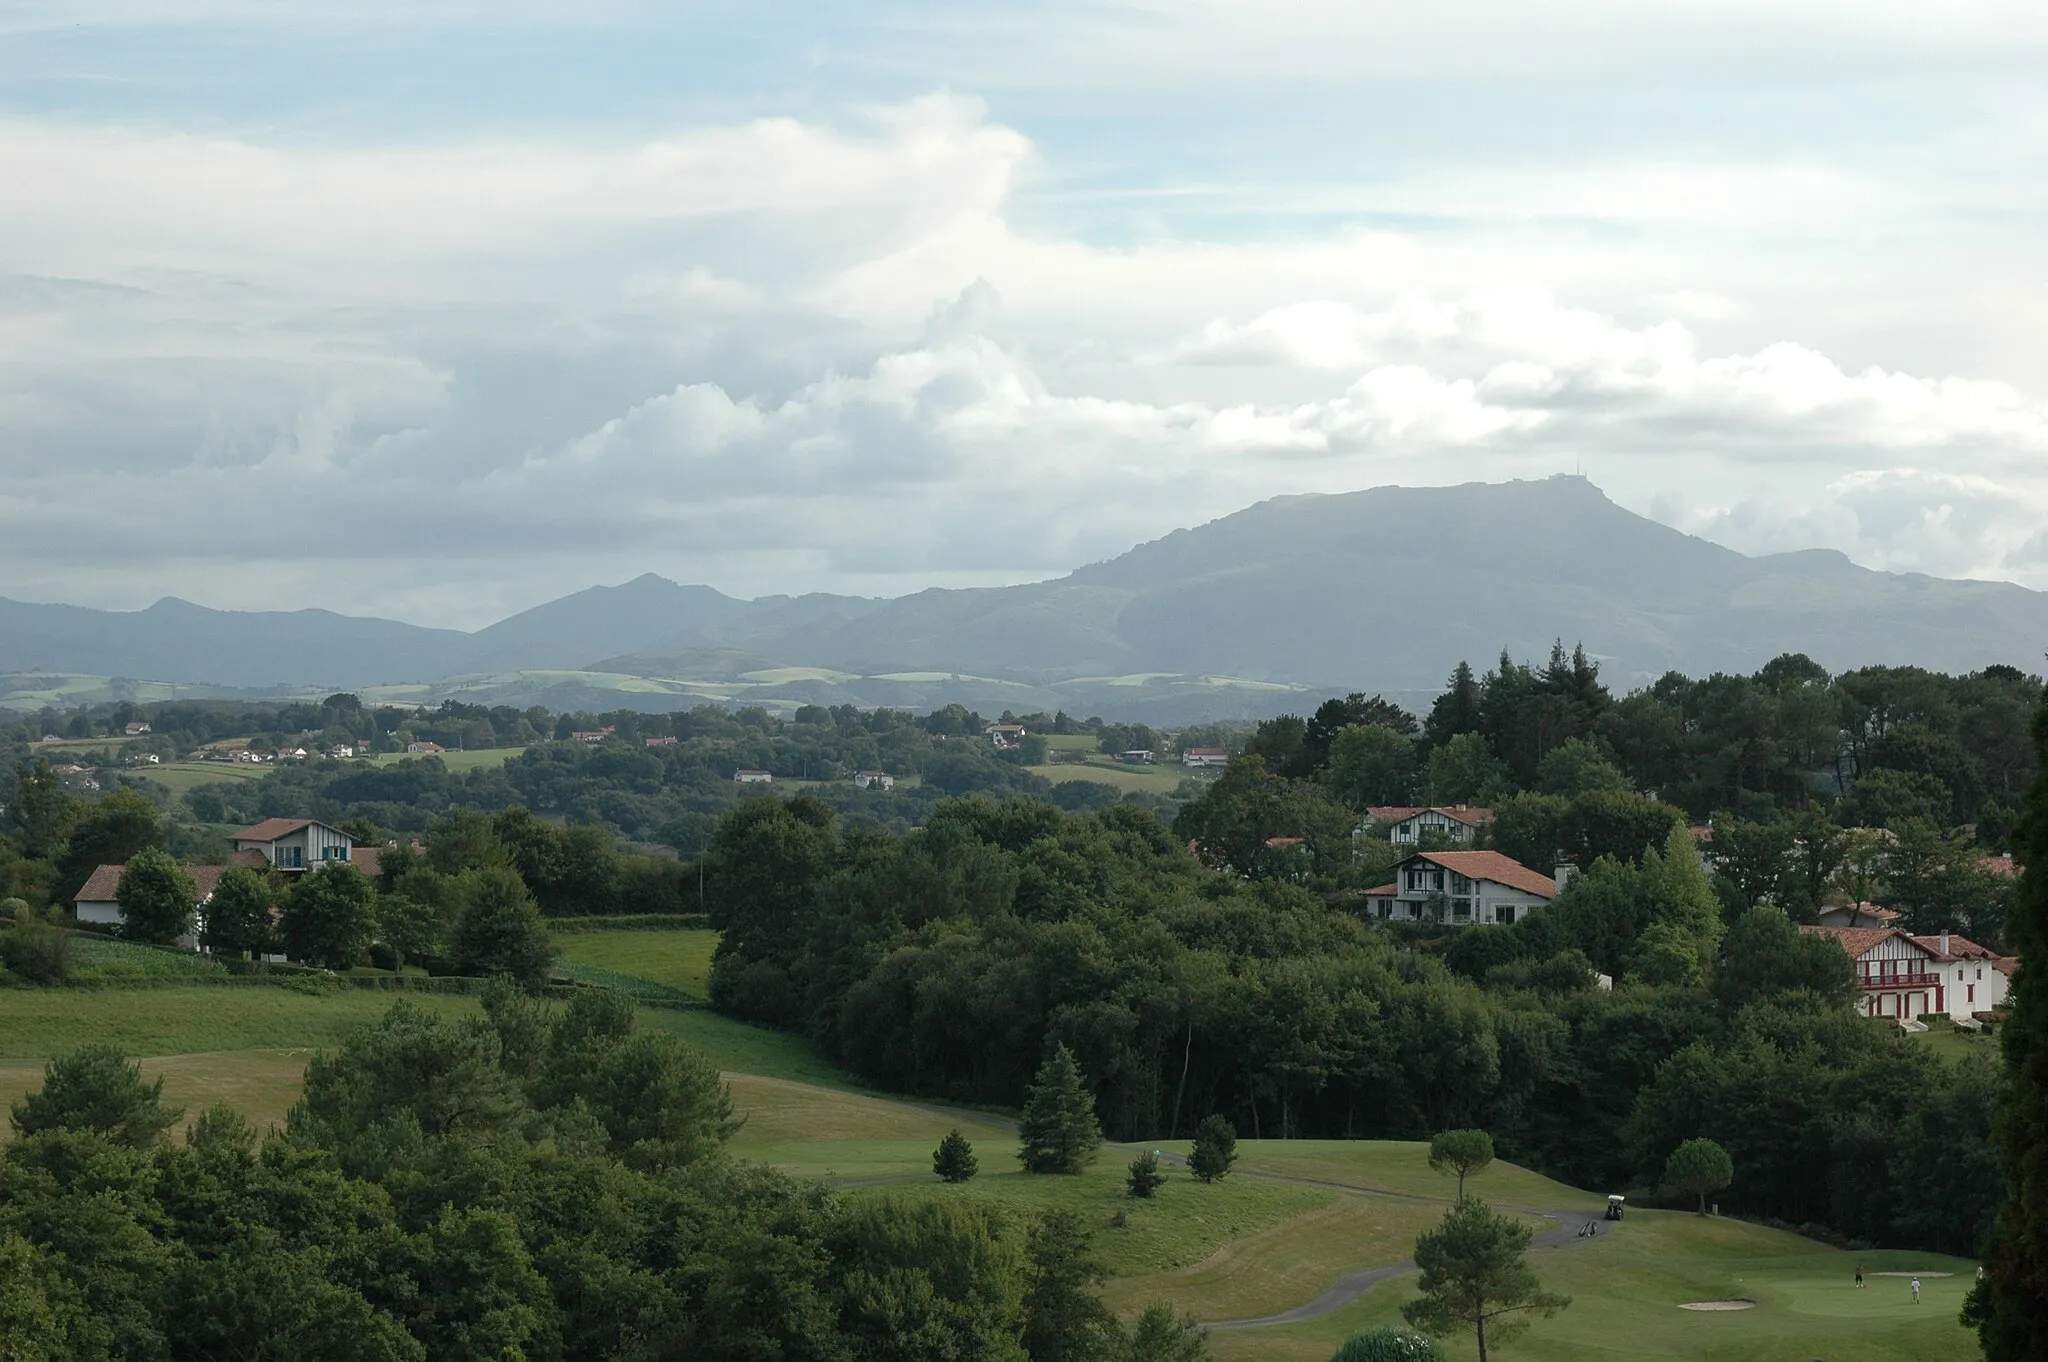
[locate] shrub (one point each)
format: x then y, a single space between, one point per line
1145 1177
1389 1343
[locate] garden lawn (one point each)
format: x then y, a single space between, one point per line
1626 1287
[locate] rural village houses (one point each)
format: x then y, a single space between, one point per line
1404 825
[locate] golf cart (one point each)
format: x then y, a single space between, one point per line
1614 1208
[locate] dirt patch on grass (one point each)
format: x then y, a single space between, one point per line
1719 1305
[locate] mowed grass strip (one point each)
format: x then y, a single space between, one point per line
261 1084
1402 1167
1627 1284
38 1023
680 960
812 1131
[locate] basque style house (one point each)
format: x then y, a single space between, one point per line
1907 977
873 780
294 844
1463 888
1403 825
1205 756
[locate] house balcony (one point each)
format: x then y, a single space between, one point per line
1894 981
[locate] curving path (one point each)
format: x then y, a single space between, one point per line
1351 1286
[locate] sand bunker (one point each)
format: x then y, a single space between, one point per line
1718 1305
1912 1274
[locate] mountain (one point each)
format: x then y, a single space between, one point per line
1386 590
603 620
178 641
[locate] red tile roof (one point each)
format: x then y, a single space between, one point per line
270 829
1960 947
1492 865
1470 815
105 882
2002 865
1381 891
1860 941
369 860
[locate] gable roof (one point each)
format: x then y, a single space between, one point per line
1959 948
1860 941
1470 815
105 882
1492 865
270 829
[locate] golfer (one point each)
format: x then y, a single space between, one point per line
1859 1276
1916 1291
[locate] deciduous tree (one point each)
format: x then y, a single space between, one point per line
329 917
157 898
1698 1167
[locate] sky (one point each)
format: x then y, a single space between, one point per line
439 309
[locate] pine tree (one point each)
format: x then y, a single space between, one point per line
1215 1148
1058 1130
1145 1176
954 1159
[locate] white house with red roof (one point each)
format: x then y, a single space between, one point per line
1204 756
97 899
295 843
1462 889
1404 824
1906 977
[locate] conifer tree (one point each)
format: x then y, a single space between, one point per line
1058 1130
954 1159
1215 1148
1145 1176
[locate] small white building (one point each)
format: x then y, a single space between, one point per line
1204 756
1404 824
1858 915
97 899
295 844
1463 888
425 749
746 776
1005 736
873 780
136 729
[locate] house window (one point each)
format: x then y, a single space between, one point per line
1506 912
1970 990
1461 908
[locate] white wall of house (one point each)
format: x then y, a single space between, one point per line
1900 980
98 911
1468 902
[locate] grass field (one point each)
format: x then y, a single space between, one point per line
484 758
1124 779
680 960
183 777
1626 1287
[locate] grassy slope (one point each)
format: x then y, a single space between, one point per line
1125 779
1626 1287
457 761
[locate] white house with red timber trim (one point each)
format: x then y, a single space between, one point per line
1906 977
1403 825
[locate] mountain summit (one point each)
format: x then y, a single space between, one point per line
1385 589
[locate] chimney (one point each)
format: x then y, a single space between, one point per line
1565 874
1944 941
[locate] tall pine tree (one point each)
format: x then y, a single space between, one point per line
2010 1306
1059 1132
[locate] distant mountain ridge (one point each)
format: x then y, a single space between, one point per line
1384 589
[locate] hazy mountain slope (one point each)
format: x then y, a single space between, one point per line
598 622
1384 589
177 641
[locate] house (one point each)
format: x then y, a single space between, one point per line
295 843
341 751
96 899
1461 888
425 749
1404 824
1858 915
145 759
136 729
1005 736
745 776
591 735
1907 977
873 780
661 742
1205 756
1139 757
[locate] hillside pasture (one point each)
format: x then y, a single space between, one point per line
680 960
479 759
183 777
